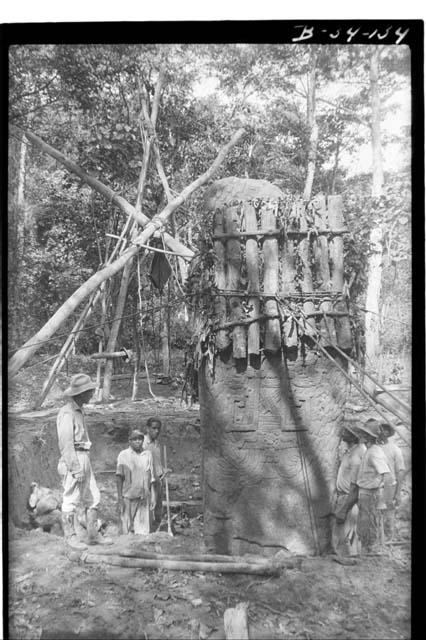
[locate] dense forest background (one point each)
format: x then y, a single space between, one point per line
323 119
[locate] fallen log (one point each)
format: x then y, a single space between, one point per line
181 565
184 557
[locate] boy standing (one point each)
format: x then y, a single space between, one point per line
135 486
151 444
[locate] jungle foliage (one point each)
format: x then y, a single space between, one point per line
86 102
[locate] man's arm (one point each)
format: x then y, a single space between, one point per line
66 444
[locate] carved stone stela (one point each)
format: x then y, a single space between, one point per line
270 410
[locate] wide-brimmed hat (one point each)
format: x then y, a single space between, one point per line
350 429
389 427
372 427
79 384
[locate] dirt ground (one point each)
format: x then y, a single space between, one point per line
53 596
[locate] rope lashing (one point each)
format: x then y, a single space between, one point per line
156 249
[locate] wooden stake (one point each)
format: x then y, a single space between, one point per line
272 342
252 262
222 337
306 282
233 275
326 324
236 623
342 325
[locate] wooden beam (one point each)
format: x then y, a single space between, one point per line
33 344
108 193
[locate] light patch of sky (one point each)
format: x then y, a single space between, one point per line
397 115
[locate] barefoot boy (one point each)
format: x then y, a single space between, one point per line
135 486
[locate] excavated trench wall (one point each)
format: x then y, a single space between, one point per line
270 413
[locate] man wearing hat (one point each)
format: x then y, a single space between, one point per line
80 488
344 536
135 486
392 489
372 475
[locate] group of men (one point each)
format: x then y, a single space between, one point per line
139 473
368 482
368 489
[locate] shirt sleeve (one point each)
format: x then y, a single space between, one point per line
66 441
120 467
379 463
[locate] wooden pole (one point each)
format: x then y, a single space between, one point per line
342 325
108 193
288 287
32 345
194 557
115 328
252 262
306 282
66 348
233 275
322 269
181 565
272 341
222 337
169 522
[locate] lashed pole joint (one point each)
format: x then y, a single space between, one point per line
32 345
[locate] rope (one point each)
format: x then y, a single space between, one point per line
308 492
353 362
93 326
305 475
407 324
360 389
172 253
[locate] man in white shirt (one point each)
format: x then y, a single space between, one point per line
372 475
80 488
392 488
344 536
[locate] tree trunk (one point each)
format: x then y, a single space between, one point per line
115 328
374 286
312 124
164 346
